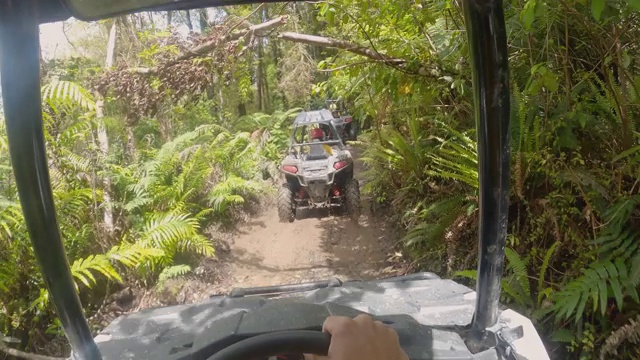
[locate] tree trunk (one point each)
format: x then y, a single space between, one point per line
165 126
103 139
188 18
204 20
242 109
169 17
111 46
627 124
153 23
259 79
132 152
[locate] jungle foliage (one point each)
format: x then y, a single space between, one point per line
169 139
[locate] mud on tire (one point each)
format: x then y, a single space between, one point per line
352 203
286 211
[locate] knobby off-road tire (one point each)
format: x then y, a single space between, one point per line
352 204
286 211
353 133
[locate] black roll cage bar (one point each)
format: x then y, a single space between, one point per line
20 79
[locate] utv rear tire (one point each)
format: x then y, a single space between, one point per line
352 203
353 133
286 210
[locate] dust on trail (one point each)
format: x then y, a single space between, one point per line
316 246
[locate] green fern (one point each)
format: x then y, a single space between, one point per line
173 234
615 272
173 272
516 285
468 274
11 218
230 191
543 270
129 255
83 269
456 159
435 220
67 93
132 255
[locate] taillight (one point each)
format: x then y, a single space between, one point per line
290 169
348 119
340 164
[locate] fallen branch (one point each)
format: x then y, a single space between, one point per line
244 19
340 44
261 30
210 45
396 63
347 65
24 355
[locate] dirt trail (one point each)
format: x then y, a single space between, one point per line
267 252
319 246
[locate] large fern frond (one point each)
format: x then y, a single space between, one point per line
231 192
11 218
84 269
133 255
456 158
517 286
435 220
174 233
68 93
615 272
173 272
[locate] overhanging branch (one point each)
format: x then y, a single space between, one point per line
339 44
208 46
263 30
212 44
397 63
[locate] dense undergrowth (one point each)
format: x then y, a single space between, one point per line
161 205
573 263
148 153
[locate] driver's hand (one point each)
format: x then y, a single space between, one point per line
361 338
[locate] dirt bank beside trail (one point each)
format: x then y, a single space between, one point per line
318 246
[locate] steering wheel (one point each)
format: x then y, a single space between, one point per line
276 343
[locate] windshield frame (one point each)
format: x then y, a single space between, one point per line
19 68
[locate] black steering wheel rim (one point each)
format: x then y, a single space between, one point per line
276 343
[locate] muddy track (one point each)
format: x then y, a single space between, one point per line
317 246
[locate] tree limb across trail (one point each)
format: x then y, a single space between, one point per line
322 41
340 44
212 44
236 35
262 30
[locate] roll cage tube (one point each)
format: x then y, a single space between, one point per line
20 74
19 71
484 20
